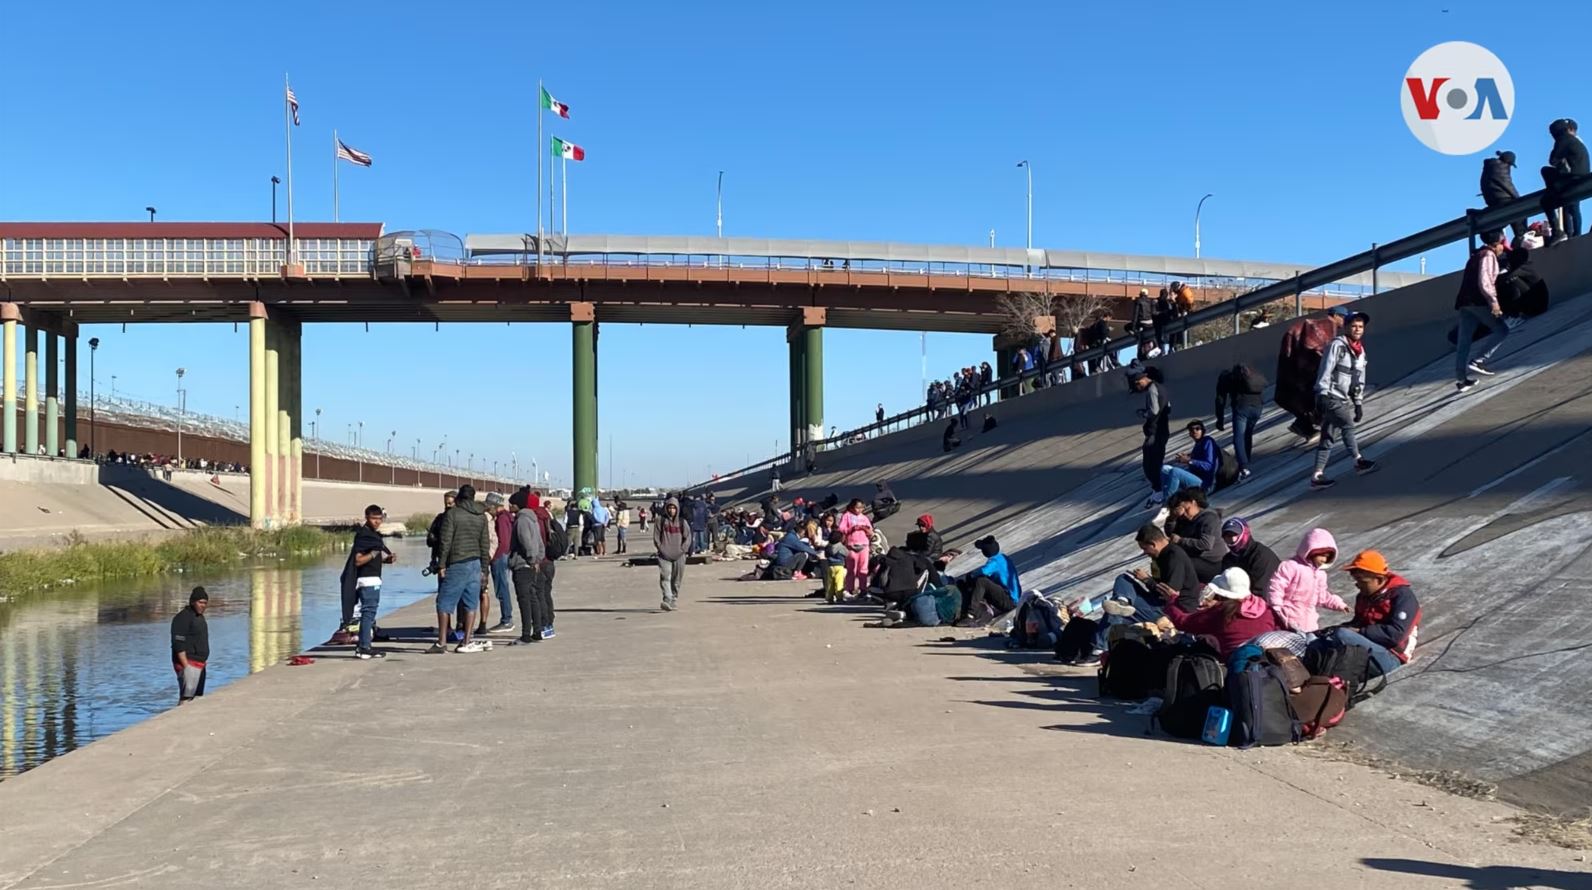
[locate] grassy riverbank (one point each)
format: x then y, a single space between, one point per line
202 549
417 523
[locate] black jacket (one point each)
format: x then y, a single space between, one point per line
1242 385
1258 562
1143 313
1569 155
1201 537
1497 183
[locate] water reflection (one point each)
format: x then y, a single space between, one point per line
79 664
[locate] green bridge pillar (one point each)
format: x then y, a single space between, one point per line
71 390
11 314
797 342
52 396
806 340
30 392
583 377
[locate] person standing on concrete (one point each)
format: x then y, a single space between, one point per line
622 523
528 563
503 525
1567 162
1498 185
1142 323
549 564
190 646
671 538
1243 387
696 511
1478 307
1157 414
434 533
464 553
1340 394
773 477
362 579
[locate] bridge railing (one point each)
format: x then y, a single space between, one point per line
180 257
1463 228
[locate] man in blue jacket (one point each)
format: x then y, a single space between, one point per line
1197 467
697 514
792 555
995 583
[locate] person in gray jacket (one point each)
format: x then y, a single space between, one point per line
671 537
528 563
1340 394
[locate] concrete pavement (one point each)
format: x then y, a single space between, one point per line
754 739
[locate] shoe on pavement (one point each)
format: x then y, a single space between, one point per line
1364 466
437 649
368 654
798 576
1243 476
341 638
470 647
1478 368
1320 483
969 621
547 632
1465 385
666 606
502 627
1092 659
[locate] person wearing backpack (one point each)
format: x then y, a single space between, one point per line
1236 617
1387 615
1299 587
1242 387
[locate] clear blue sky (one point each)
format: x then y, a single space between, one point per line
863 121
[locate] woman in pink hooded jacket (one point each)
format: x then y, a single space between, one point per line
1299 586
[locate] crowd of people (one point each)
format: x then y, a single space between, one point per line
162 461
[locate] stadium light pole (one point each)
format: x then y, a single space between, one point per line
1030 168
93 409
180 372
315 426
1197 208
392 476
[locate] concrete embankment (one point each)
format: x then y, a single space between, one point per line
1481 501
46 502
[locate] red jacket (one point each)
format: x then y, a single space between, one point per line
1253 619
504 523
1391 617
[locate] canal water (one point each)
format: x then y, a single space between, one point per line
77 664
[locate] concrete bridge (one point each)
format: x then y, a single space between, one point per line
57 276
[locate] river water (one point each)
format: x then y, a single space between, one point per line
77 664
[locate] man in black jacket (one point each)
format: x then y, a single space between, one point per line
1242 386
1567 163
1498 185
190 646
1193 526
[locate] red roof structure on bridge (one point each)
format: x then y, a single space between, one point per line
351 230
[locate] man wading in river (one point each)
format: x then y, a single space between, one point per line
190 646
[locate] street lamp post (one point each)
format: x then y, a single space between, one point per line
1030 168
151 211
180 372
719 204
274 183
315 426
93 410
113 387
392 475
1197 208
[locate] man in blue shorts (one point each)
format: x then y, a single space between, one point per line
464 551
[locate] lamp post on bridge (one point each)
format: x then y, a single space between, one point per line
1197 208
180 372
274 183
151 211
314 432
1030 169
93 410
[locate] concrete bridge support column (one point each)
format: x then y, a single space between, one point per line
52 396
30 389
293 434
583 376
813 384
11 315
71 390
273 423
259 481
796 338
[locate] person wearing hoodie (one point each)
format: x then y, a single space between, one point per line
1195 468
1498 185
931 544
1244 552
1157 416
1235 617
549 564
503 525
1567 162
671 538
1387 616
995 583
527 561
696 510
1197 529
1340 397
464 552
362 580
1299 587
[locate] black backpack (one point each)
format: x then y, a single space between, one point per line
1226 470
1257 697
1327 657
1132 670
1077 638
557 538
1193 685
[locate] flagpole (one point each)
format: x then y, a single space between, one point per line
547 147
287 128
565 214
336 191
538 198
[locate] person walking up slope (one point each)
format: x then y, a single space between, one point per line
1340 394
671 538
1478 307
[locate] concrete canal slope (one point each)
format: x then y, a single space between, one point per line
752 739
1482 502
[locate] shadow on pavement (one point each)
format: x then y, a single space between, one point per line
1487 877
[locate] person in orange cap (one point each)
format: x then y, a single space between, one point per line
1387 616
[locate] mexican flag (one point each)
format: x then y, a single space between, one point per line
553 105
568 150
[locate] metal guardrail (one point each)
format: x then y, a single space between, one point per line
1463 228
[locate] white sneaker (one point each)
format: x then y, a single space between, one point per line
1243 476
1478 368
472 646
1465 386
